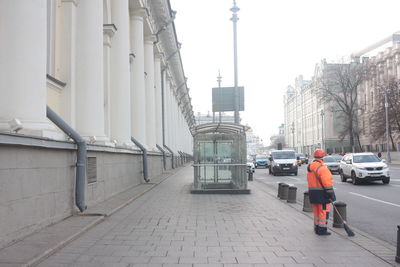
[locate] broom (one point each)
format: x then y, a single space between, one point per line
346 227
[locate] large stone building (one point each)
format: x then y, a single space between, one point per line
383 62
111 70
310 123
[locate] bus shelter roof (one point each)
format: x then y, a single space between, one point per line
219 127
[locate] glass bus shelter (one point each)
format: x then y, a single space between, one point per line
220 158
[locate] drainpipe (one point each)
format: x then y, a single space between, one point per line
145 169
172 154
80 178
163 155
180 153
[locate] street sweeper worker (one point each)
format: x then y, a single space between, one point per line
320 190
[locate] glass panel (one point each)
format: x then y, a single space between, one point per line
224 155
206 152
224 152
206 155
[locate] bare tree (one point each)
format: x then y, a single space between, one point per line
337 88
378 117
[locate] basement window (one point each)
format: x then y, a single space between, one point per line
91 170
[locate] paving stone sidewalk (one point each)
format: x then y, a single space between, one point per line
168 226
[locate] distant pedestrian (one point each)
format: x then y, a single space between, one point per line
321 193
379 155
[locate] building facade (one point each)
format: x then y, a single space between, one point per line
383 65
311 124
111 70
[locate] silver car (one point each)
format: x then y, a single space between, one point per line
364 167
332 164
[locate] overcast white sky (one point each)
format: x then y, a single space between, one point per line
277 41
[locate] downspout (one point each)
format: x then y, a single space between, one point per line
172 154
144 151
180 153
163 155
80 178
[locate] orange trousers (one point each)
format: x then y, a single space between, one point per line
321 214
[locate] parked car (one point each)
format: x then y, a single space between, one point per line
338 158
332 164
262 161
298 161
303 158
283 161
363 167
250 166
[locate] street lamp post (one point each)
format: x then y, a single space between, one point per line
219 80
322 130
388 158
292 129
234 19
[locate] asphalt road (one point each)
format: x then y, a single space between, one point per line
371 207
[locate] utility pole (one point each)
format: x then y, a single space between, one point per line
322 129
219 79
234 19
388 158
292 129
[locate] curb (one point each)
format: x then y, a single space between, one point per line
62 244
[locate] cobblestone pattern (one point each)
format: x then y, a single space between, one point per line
168 226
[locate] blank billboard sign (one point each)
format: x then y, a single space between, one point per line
223 99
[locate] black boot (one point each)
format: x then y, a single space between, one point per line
316 228
323 231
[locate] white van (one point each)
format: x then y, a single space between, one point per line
282 161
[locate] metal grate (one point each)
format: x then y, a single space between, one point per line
91 170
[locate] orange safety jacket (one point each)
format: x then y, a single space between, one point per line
320 193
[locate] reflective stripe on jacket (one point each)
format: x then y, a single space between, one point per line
320 194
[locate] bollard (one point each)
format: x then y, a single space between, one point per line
292 194
341 208
280 189
306 202
250 176
398 245
284 191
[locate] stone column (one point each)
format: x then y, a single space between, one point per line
168 112
23 67
89 71
108 32
138 93
150 93
174 121
120 75
68 58
158 104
